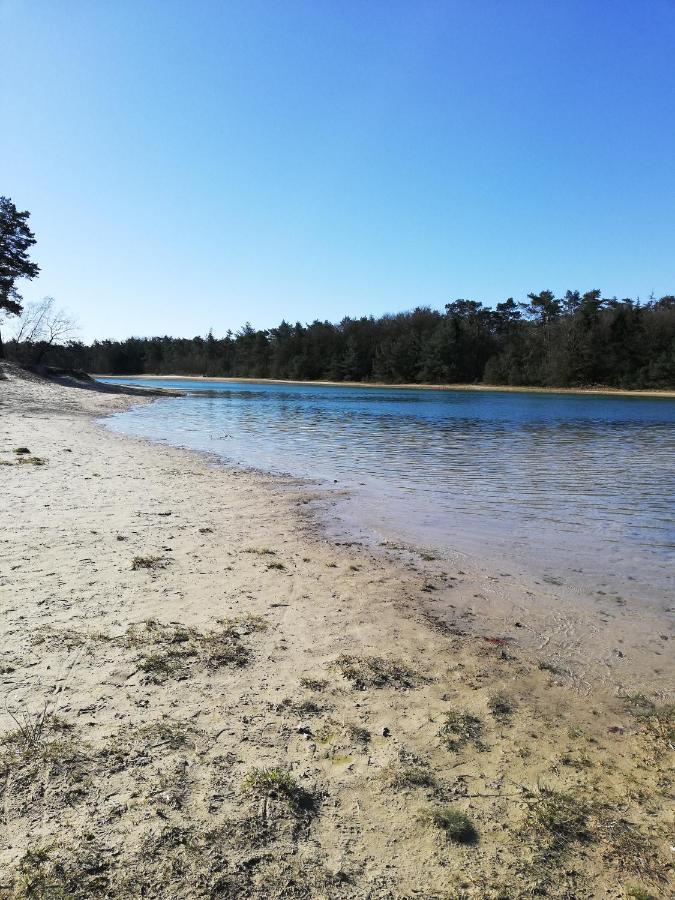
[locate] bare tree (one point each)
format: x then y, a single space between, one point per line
41 326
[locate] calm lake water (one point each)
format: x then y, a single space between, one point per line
554 483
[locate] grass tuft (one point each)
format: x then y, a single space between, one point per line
375 671
639 893
278 784
405 777
558 819
31 728
148 562
460 729
314 684
172 651
457 826
501 707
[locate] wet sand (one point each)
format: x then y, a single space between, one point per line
239 705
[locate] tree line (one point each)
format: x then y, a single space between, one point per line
575 340
578 339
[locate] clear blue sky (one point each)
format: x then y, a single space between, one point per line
198 164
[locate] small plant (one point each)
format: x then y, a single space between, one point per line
546 666
38 877
278 784
276 565
658 721
403 777
579 762
627 846
260 551
638 893
31 728
559 818
638 704
165 732
22 451
460 729
243 625
221 649
148 562
160 666
308 708
314 684
174 650
501 707
374 671
31 461
457 826
357 733
661 723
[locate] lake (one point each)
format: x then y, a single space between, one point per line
580 487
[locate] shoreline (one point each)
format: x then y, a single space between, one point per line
608 640
243 642
509 389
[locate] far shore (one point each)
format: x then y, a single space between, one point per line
511 389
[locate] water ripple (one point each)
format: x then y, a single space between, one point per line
570 471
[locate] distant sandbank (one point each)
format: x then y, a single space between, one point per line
600 390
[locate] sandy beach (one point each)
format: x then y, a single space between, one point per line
206 696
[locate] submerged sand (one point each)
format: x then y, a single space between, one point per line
205 696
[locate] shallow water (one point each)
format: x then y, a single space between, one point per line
576 486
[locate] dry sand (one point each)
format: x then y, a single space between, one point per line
206 697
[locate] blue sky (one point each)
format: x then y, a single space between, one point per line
193 165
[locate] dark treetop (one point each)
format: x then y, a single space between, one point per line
574 340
